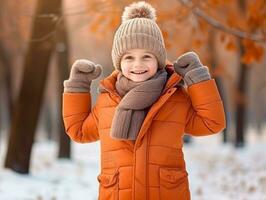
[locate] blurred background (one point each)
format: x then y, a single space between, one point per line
40 39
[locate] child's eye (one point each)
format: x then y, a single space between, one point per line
147 56
128 57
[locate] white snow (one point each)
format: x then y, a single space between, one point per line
216 171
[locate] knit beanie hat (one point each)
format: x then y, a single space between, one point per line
139 30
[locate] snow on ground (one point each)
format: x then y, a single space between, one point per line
221 172
216 172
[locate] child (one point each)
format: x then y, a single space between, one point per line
142 111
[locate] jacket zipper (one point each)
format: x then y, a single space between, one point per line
147 161
147 156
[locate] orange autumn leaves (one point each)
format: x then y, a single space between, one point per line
174 16
256 13
253 52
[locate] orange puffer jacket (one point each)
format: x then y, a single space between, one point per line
152 167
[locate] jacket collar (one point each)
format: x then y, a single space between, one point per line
173 79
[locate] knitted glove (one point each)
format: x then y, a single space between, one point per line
81 74
190 68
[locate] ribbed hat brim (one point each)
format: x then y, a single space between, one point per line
138 41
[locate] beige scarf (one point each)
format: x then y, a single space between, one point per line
137 97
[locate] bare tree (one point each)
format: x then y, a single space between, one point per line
213 64
241 107
29 99
6 78
242 87
62 52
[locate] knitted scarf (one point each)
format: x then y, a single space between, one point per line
137 97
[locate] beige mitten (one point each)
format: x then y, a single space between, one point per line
82 73
190 68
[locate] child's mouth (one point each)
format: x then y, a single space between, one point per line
139 72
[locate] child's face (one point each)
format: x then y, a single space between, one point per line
138 65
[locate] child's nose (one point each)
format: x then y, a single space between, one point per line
138 63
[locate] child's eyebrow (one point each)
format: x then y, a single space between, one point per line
126 54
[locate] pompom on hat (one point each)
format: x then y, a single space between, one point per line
139 30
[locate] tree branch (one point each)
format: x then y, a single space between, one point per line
198 12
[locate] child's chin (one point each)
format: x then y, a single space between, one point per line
139 79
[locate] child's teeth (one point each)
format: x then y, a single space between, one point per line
139 72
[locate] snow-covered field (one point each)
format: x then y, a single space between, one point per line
216 172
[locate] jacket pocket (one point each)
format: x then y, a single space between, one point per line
108 189
174 184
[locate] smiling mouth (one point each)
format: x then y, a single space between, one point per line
139 72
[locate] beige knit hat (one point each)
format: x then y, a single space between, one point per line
139 31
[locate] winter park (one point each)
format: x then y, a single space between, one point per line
132 100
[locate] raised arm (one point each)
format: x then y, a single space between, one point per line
79 119
206 114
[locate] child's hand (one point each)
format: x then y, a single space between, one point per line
190 68
82 73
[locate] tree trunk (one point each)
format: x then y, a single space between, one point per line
241 105
28 102
1 94
62 51
213 63
242 90
47 119
6 80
